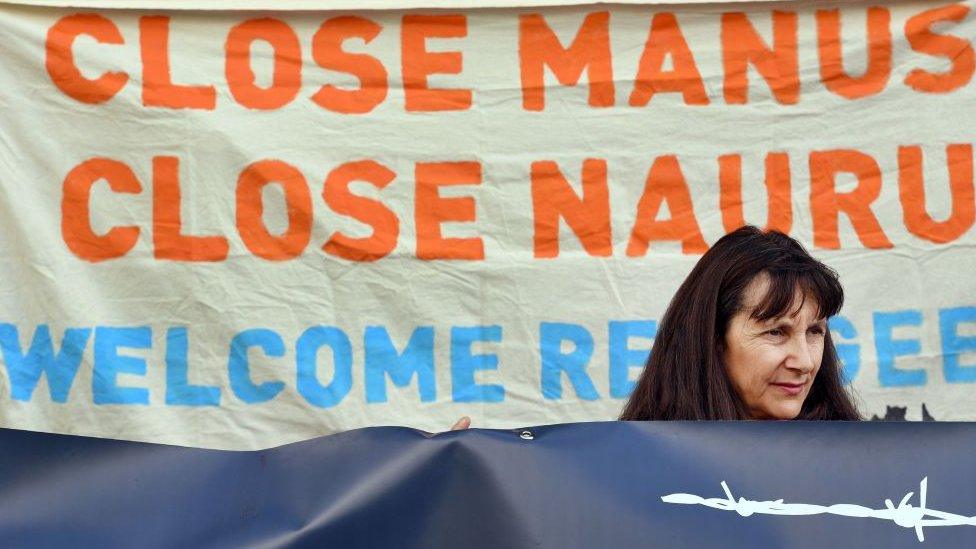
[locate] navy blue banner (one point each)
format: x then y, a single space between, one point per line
647 484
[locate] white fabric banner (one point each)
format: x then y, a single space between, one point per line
237 230
263 5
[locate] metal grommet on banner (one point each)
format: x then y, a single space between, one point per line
526 435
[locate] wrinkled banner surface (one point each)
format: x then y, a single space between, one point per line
646 484
238 229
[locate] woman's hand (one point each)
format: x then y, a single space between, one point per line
462 424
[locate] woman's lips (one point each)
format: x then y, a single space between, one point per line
791 389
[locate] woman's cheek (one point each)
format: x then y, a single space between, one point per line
772 359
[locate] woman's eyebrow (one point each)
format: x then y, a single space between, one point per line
786 321
776 322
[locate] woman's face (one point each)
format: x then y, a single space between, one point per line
772 363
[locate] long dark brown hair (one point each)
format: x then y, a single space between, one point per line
685 378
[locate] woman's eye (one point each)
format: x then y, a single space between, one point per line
818 330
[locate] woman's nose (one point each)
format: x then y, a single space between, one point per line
801 356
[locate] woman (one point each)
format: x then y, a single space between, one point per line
746 337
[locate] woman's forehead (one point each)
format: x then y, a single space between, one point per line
756 295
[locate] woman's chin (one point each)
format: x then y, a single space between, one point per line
778 411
